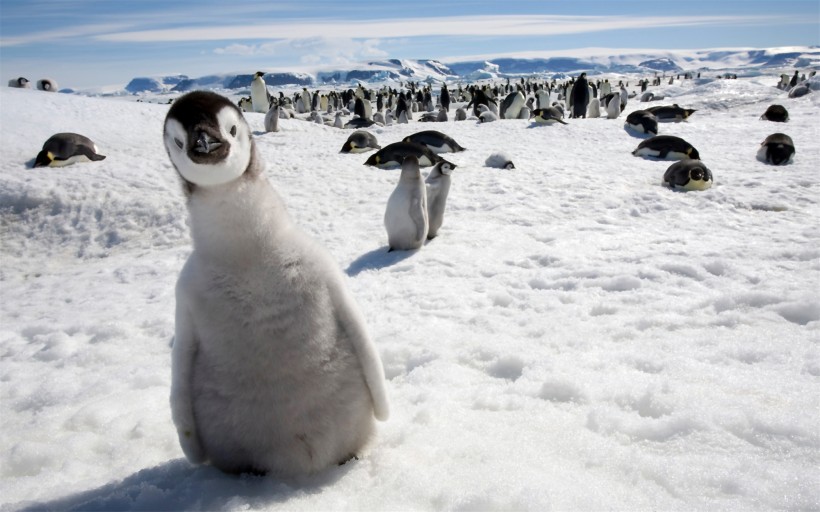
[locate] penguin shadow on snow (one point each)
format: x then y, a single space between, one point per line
378 258
177 485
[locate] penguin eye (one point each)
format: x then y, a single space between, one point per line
233 131
178 143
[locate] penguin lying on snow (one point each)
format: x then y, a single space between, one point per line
643 122
777 149
671 113
437 142
360 141
776 113
394 154
499 160
666 147
549 115
272 368
67 148
688 175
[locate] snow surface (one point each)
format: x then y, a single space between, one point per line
578 337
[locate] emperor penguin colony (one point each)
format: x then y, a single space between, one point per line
273 369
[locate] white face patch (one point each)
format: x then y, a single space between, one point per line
229 168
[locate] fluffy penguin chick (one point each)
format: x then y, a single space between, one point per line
438 186
272 366
406 218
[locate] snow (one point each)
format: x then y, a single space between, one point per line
577 337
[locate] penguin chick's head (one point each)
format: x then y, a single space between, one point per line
207 138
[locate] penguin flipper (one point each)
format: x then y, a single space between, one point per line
351 322
89 153
183 353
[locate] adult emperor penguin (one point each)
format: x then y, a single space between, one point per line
405 218
47 84
272 367
394 154
688 175
666 147
549 115
260 97
63 149
437 142
642 121
360 141
511 106
777 149
438 187
776 113
580 97
671 113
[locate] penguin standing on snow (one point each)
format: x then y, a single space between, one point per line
260 97
438 187
405 218
273 370
580 97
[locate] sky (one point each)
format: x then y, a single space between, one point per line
84 43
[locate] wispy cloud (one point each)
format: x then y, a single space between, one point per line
505 25
58 34
313 50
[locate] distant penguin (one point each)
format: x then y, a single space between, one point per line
461 114
643 122
776 113
436 141
63 149
394 154
338 122
666 147
438 187
647 96
20 83
445 98
272 367
359 122
442 115
594 109
688 174
272 118
47 84
580 97
360 141
260 98
799 90
511 106
549 115
245 104
405 218
542 99
306 99
671 113
777 149
499 160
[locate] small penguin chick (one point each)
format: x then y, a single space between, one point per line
499 160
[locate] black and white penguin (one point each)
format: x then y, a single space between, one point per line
360 141
776 113
47 84
438 187
549 115
20 83
689 174
63 149
272 367
444 98
359 122
393 155
437 142
777 149
643 122
666 147
671 113
406 217
511 106
579 97
260 97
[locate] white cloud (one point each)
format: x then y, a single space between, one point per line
504 25
312 50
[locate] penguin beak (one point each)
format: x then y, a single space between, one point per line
205 143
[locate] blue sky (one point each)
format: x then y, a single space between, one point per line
83 43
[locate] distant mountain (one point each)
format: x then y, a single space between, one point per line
592 61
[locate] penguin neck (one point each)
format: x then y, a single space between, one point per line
410 176
238 222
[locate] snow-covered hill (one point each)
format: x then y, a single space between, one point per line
578 337
592 61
